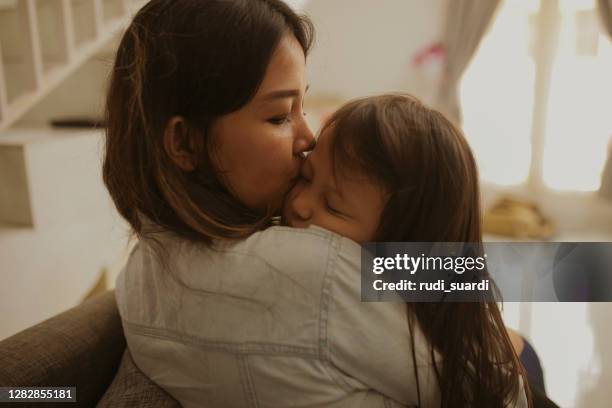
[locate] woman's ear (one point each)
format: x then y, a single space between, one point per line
177 144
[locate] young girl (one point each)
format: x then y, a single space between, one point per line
387 168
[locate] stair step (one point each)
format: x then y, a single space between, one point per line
43 41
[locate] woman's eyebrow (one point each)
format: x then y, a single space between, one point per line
283 93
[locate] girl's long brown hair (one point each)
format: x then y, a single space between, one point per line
198 59
430 174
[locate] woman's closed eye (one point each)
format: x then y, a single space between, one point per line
280 120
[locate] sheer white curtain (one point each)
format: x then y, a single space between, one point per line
605 12
465 24
604 8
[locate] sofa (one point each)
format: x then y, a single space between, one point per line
83 347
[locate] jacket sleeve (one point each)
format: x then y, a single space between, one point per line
369 342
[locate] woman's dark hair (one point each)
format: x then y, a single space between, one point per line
198 59
431 178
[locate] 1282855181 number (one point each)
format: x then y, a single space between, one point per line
37 394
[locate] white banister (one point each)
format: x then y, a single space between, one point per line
32 59
98 16
3 92
79 28
67 30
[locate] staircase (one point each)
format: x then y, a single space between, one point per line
43 41
59 232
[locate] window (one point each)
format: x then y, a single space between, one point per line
536 97
497 97
579 120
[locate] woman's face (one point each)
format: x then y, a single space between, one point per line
349 205
259 148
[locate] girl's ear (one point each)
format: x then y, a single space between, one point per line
177 144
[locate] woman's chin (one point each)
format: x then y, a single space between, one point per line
271 206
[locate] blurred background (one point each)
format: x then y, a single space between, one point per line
528 81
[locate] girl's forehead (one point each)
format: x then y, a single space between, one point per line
339 169
320 155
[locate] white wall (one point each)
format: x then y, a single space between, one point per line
76 232
297 5
365 47
50 266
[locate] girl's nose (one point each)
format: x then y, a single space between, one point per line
301 209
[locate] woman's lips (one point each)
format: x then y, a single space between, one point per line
296 176
293 182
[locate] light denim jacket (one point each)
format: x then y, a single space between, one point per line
271 321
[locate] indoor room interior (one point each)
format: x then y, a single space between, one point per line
527 80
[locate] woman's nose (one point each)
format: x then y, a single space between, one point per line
304 140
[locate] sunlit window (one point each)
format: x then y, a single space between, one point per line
498 93
497 96
579 119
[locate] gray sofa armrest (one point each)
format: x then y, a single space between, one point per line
132 388
81 347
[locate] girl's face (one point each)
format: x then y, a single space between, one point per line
349 205
259 148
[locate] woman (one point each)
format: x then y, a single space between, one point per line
205 136
206 129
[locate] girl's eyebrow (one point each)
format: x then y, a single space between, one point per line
330 185
334 188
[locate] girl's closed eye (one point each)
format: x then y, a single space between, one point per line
332 209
